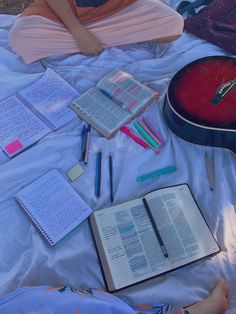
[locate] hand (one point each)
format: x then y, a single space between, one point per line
88 44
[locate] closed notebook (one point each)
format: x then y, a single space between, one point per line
53 206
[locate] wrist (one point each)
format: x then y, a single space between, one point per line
74 26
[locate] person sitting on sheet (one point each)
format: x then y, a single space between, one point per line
67 300
53 27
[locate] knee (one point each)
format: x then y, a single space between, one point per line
175 29
15 37
177 24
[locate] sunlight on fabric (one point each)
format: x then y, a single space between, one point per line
229 230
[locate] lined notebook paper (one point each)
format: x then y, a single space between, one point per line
53 206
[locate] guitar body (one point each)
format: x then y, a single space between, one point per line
201 102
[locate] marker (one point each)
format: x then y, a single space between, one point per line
145 135
138 140
156 173
152 129
135 132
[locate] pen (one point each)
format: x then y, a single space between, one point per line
135 132
155 228
143 125
145 135
209 171
152 129
127 131
98 174
83 142
111 177
87 144
156 173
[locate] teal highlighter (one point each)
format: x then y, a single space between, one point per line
156 173
147 137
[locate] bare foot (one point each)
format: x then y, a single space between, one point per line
216 303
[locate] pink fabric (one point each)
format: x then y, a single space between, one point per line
34 37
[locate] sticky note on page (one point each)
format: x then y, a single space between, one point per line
14 147
75 172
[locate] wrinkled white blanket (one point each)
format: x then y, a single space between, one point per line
24 258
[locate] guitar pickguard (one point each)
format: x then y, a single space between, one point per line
223 90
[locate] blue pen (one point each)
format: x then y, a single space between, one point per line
156 173
105 93
83 142
98 173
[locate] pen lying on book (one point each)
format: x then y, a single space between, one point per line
155 228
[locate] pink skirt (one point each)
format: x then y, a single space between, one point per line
34 37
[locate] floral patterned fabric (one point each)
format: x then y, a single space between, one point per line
61 300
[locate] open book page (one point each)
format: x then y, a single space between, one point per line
19 127
127 91
100 111
183 229
54 205
3 158
51 96
128 244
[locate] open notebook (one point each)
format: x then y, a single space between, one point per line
35 112
53 206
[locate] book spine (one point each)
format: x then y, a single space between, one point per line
36 112
84 116
44 236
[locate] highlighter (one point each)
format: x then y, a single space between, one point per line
156 173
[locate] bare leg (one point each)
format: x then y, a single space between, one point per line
216 303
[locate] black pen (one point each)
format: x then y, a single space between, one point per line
111 177
98 173
155 228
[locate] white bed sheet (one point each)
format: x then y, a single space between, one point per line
24 258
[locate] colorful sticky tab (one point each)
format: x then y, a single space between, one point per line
14 147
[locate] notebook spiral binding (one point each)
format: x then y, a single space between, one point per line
44 236
37 113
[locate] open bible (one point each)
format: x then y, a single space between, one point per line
149 236
35 112
116 99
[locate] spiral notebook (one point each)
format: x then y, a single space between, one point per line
34 112
53 206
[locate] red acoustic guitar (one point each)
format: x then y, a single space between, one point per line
201 102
